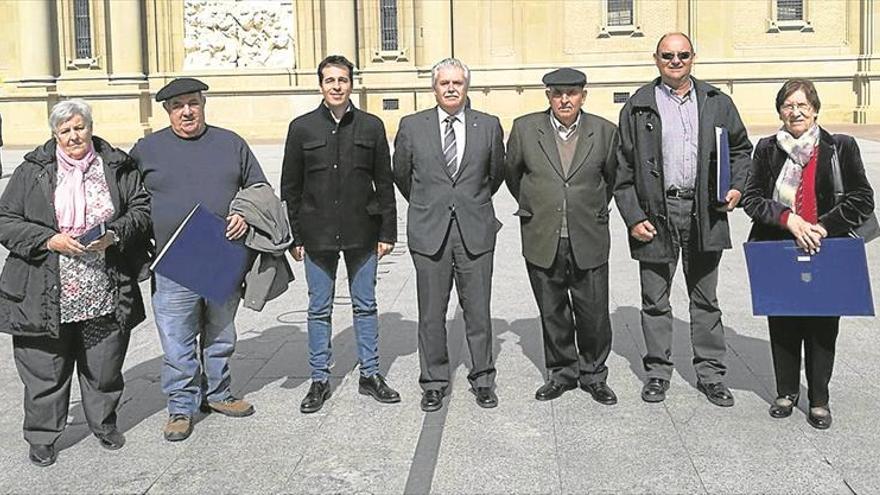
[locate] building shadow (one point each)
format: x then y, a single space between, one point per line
531 340
748 375
276 353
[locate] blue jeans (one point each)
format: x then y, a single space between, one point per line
321 278
189 323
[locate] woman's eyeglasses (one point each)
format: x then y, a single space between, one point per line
801 107
683 56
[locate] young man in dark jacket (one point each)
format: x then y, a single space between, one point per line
664 191
336 179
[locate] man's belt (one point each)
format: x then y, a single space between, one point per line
680 193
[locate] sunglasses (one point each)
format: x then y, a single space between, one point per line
683 56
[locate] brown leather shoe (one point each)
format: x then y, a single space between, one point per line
178 427
236 408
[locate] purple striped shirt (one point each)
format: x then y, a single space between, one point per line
681 124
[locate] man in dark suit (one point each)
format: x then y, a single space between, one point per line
336 179
560 167
448 162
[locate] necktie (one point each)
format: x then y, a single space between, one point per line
450 150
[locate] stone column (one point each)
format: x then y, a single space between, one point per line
340 29
37 43
126 40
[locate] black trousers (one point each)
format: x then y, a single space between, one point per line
473 282
45 365
573 304
818 337
701 278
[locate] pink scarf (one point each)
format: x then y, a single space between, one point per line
70 193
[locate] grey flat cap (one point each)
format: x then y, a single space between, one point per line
565 77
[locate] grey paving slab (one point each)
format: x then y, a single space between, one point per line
572 445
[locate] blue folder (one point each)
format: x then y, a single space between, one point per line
786 281
200 257
722 164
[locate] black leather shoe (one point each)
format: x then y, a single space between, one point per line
314 399
42 455
779 409
375 387
655 390
820 421
432 400
552 390
717 393
486 398
112 440
601 393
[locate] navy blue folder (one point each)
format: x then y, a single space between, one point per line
200 257
786 281
722 164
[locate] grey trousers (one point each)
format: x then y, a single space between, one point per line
45 365
574 318
473 282
701 278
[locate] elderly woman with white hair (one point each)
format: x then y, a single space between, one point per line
74 218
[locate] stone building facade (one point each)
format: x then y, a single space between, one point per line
259 56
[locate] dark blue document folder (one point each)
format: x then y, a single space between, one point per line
786 281
200 257
722 164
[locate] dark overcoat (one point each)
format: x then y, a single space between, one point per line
30 283
639 191
856 205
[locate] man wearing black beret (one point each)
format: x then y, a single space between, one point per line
185 164
560 168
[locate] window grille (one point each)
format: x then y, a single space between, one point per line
789 10
82 30
620 12
388 17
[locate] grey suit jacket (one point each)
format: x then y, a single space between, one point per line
434 197
536 179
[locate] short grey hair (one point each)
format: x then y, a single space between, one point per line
66 110
450 62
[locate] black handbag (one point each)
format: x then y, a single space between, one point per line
870 228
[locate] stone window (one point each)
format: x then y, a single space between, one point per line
82 30
788 15
388 25
620 12
789 10
619 19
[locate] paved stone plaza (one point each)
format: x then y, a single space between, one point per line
570 445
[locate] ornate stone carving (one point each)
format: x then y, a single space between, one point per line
238 33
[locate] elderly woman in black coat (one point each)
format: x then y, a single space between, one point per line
790 195
68 294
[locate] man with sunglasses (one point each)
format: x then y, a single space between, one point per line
664 191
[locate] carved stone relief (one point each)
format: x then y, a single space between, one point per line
238 33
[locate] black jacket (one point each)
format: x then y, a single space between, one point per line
858 199
337 181
30 281
639 191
